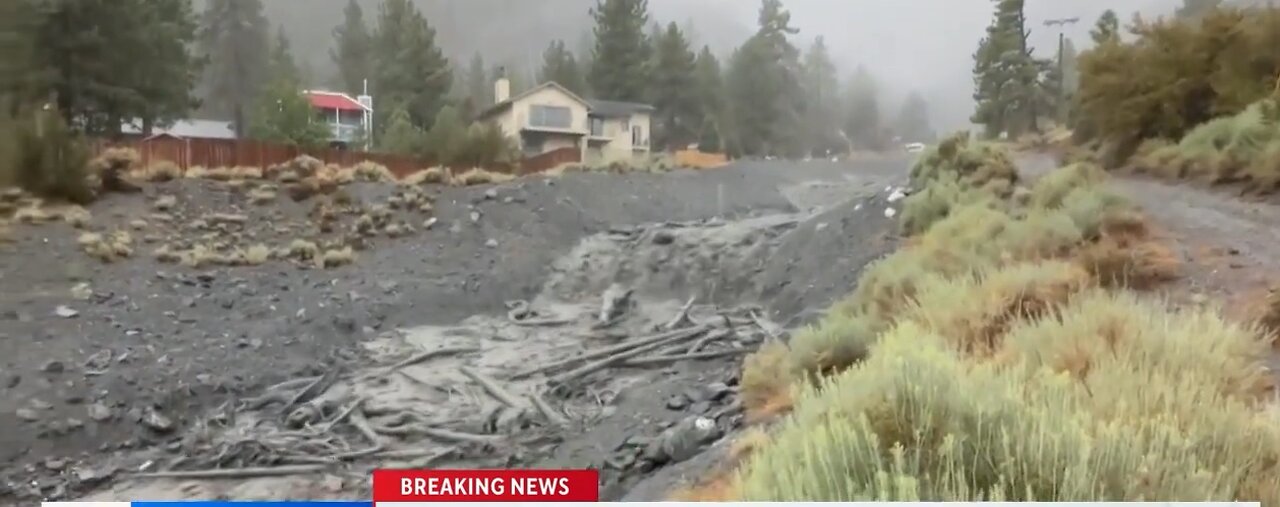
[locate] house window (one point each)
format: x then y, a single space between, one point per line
637 136
597 127
559 117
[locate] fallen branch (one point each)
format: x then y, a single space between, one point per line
548 412
655 360
594 366
430 354
755 318
520 314
490 386
232 473
438 433
314 389
658 338
683 317
706 340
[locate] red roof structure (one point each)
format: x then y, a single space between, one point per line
334 100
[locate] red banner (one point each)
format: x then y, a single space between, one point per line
486 486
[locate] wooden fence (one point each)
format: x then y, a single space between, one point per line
188 153
550 159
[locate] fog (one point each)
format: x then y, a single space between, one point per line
922 45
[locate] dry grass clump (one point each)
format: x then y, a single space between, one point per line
766 382
373 172
975 163
33 214
429 176
108 248
262 195
333 258
161 171
478 176
76 216
116 159
1112 398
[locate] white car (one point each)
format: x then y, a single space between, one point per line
914 147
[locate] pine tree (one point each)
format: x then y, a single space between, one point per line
862 122
88 53
764 92
448 132
673 91
912 124
1107 29
410 71
619 60
401 136
709 83
20 75
233 36
284 115
821 86
281 65
560 66
353 51
1009 88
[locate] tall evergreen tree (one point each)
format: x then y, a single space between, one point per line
674 91
912 124
1009 88
863 125
709 83
87 52
280 65
410 71
559 65
20 75
766 100
1107 29
619 60
401 136
233 36
821 87
353 51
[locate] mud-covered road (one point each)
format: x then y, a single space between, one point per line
112 369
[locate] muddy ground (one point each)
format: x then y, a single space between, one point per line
158 367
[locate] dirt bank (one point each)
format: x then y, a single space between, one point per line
83 392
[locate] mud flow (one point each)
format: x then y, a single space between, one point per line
625 360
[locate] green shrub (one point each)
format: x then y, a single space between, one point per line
41 154
936 201
974 163
1050 190
1112 399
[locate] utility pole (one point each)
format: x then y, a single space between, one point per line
1060 23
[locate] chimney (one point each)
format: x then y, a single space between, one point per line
501 87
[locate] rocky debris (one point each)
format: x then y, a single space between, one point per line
682 441
99 412
157 421
65 312
615 302
53 367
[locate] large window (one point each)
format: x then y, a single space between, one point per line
558 117
597 127
637 136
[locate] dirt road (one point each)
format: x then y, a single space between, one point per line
115 368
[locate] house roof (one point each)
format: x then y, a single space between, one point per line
199 129
502 106
614 109
334 100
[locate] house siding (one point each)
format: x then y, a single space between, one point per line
620 147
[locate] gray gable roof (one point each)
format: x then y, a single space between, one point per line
614 109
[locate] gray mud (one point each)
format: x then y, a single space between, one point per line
773 242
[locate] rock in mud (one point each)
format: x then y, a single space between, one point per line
53 367
27 414
157 421
615 302
65 312
682 441
677 402
99 412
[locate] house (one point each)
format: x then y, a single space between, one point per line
549 117
347 117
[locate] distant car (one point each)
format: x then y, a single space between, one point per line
914 147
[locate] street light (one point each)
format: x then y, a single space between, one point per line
1061 23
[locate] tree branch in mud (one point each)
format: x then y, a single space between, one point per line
612 359
491 386
604 352
233 473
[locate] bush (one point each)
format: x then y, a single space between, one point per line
974 163
1111 399
767 376
41 154
1051 190
936 201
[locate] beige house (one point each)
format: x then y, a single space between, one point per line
550 117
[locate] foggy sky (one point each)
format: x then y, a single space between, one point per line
925 45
